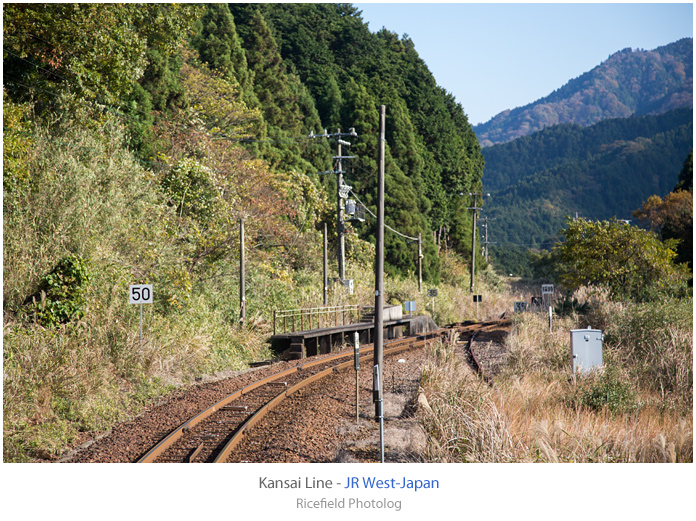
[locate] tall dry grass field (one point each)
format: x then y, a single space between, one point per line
637 409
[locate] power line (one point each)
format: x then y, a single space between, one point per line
414 239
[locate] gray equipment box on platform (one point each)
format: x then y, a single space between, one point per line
586 349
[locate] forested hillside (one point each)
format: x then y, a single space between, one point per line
603 171
433 153
284 72
629 82
136 139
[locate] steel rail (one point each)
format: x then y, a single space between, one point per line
252 420
365 351
173 436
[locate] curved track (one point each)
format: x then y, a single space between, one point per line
214 433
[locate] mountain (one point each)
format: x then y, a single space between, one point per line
629 82
606 170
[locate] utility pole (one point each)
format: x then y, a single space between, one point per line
242 277
325 281
339 217
486 242
341 193
379 285
473 234
420 264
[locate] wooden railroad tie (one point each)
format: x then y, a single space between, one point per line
194 453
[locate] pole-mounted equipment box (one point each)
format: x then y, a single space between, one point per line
586 349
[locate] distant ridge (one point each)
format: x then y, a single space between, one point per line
629 82
605 170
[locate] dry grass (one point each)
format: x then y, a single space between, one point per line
462 421
639 409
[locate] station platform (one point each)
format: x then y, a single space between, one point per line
301 344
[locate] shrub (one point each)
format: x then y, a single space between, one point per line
61 292
632 262
609 390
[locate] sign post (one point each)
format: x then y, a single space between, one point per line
140 294
477 299
432 293
550 319
356 347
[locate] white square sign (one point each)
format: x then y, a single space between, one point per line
140 293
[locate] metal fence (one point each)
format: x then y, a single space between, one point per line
289 320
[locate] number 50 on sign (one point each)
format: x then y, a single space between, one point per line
140 293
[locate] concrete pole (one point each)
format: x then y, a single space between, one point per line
379 271
473 246
339 220
325 282
242 277
485 240
420 264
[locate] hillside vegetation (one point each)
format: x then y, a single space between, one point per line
602 171
136 137
629 82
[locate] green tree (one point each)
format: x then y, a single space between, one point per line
219 45
93 51
632 262
672 218
686 176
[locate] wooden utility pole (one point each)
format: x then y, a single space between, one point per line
242 277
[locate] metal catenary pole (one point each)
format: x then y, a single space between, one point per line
379 283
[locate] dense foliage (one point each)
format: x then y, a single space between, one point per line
138 136
432 154
630 262
629 82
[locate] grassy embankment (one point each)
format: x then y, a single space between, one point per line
73 364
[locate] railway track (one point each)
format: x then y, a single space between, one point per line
213 434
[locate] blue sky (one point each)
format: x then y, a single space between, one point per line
494 56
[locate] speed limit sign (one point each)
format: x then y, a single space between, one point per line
140 293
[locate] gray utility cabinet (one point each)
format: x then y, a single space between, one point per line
586 349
